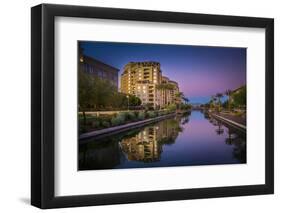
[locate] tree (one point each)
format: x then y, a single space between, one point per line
86 92
134 100
239 97
213 101
228 94
165 86
179 96
219 96
186 100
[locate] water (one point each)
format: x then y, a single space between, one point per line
194 139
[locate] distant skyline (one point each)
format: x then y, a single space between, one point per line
201 71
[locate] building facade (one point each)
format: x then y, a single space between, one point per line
145 80
98 69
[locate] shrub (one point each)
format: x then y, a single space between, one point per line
151 114
119 119
116 121
131 116
141 115
95 124
172 107
105 124
123 116
160 113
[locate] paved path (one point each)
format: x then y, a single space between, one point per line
237 119
234 120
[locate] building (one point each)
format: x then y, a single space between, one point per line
98 69
145 80
169 92
140 79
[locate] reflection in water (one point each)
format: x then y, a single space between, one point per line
146 145
195 139
234 138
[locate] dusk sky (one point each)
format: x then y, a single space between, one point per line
200 71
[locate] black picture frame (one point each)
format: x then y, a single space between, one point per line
43 117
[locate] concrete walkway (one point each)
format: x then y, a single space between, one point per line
237 119
124 127
231 120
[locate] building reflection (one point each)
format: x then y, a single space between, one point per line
146 146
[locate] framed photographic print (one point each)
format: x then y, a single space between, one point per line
140 106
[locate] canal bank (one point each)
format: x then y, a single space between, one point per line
238 123
121 128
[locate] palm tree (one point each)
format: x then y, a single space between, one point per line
212 101
179 95
219 96
186 100
228 94
165 87
219 130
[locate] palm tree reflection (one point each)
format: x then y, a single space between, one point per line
234 138
219 130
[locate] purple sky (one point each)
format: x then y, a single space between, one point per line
200 71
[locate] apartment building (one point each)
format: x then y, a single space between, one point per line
144 80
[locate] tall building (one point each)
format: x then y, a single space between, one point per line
174 92
98 68
140 79
144 80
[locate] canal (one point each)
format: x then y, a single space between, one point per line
192 139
